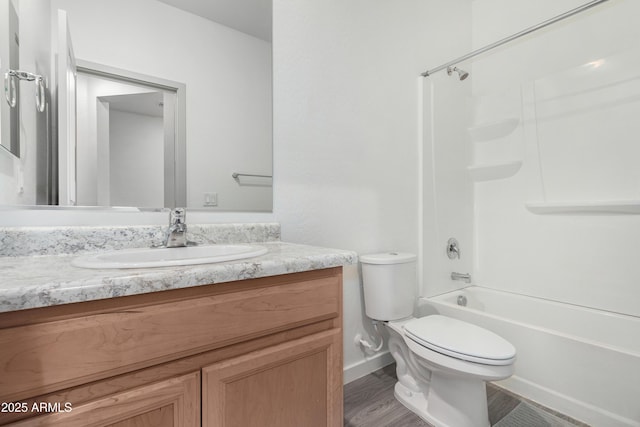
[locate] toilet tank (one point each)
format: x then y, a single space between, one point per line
390 285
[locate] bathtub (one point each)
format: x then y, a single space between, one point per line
579 361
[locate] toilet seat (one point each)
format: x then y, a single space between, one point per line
460 340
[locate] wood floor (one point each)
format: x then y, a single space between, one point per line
369 402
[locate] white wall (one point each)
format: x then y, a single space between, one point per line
347 125
136 159
93 157
577 150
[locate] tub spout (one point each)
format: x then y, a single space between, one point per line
465 277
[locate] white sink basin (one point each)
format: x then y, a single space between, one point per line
167 257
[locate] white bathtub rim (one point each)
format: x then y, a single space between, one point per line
578 307
436 299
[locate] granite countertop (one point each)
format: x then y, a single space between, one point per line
36 270
41 281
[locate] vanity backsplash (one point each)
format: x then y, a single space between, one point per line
33 241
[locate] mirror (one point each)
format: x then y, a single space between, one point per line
218 52
9 60
133 131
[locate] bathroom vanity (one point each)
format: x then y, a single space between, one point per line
263 349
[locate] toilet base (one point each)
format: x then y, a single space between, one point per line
443 391
466 409
415 402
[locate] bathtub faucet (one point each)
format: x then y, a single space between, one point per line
465 277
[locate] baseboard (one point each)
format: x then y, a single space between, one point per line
366 366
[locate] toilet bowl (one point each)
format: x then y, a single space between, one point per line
451 391
442 363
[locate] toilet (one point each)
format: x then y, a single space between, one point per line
442 363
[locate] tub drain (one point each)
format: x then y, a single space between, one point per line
462 300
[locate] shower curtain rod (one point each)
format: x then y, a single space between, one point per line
515 36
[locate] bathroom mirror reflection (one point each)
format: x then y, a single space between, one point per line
132 128
9 59
218 52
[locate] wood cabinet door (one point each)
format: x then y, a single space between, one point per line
298 383
112 338
174 402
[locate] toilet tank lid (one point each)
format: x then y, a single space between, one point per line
388 258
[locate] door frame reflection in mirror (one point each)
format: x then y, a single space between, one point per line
175 171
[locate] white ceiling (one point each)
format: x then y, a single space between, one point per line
249 16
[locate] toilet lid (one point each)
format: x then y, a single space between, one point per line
460 339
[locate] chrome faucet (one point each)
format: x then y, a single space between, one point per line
176 236
465 277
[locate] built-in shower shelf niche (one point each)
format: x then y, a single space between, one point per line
489 172
489 131
615 207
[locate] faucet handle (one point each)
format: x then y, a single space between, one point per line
177 216
453 249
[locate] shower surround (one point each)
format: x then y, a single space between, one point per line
544 132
